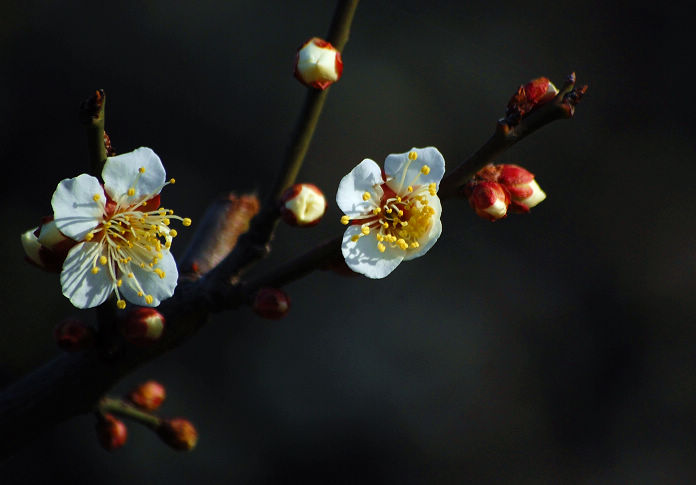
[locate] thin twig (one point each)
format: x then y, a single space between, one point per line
92 117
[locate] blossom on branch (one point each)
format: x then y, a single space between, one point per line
318 64
393 215
123 236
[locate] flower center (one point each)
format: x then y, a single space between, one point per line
402 218
130 236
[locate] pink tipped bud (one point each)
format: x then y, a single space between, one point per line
524 191
271 303
148 396
488 199
142 326
302 205
45 246
111 432
318 64
178 433
73 335
535 93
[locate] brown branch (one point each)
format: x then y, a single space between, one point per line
254 245
92 117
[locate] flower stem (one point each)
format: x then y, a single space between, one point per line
121 408
506 135
92 117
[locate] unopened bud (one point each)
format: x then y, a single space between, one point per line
318 64
45 246
535 93
73 335
524 191
178 433
142 326
271 303
302 205
111 432
148 395
488 199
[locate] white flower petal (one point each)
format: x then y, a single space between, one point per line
365 177
84 288
362 256
159 288
395 163
75 211
122 173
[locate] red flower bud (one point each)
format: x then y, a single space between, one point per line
73 335
302 205
111 432
142 326
271 303
535 93
524 191
178 433
45 246
488 199
318 64
148 396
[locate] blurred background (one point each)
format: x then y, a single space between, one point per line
555 347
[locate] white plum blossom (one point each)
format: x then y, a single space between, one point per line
392 215
123 235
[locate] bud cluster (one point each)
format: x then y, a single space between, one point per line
499 189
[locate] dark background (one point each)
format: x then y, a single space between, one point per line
556 347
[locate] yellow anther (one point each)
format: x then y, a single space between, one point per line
365 230
142 265
432 188
425 170
412 155
401 213
131 275
366 196
89 236
160 273
172 181
149 299
402 244
415 244
410 188
388 210
186 221
121 304
119 283
95 270
131 192
381 247
345 220
141 170
140 293
171 212
96 197
385 225
355 238
376 210
398 199
103 260
173 233
166 221
379 237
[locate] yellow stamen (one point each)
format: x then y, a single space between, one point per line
141 170
412 155
95 270
96 197
366 196
103 260
173 233
381 247
365 230
355 238
345 220
186 221
425 170
131 192
172 181
121 304
149 299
